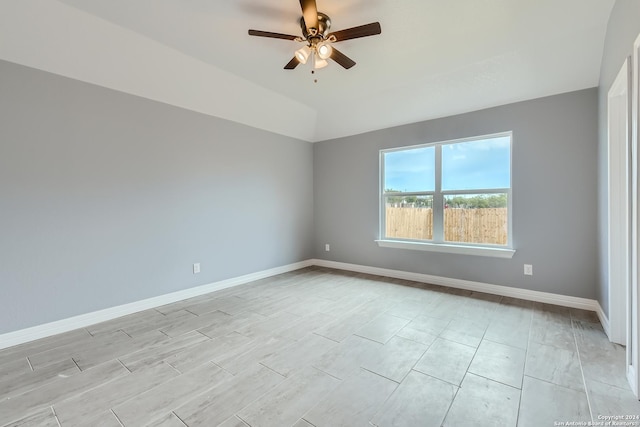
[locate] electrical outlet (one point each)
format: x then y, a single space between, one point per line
327 247
196 268
528 270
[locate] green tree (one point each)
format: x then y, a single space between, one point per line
480 201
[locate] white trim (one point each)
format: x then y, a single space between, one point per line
604 320
633 317
618 204
449 249
632 378
525 294
29 334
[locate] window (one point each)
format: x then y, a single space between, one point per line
453 196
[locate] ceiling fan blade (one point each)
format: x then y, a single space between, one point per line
271 35
357 32
292 64
342 59
309 13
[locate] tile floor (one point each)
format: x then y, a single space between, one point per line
319 347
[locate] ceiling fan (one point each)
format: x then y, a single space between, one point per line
318 40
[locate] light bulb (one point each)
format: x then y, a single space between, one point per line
324 50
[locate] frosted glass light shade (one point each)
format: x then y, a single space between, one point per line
319 62
324 50
302 54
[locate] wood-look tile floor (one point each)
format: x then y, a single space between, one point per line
319 347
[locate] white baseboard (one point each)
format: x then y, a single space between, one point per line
525 294
36 332
604 320
29 334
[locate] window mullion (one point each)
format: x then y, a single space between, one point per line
438 201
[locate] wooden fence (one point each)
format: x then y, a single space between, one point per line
488 225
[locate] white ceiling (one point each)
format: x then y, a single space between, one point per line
432 59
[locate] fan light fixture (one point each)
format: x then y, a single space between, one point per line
302 54
318 62
324 49
319 52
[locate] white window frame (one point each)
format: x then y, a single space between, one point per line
438 244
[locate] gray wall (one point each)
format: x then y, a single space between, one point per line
107 198
622 30
554 195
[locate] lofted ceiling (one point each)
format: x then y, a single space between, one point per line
433 58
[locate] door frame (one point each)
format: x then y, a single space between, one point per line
633 317
618 204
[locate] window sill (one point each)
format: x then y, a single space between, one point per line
449 249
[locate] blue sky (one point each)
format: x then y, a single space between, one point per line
465 166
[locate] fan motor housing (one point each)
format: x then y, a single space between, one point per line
324 24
